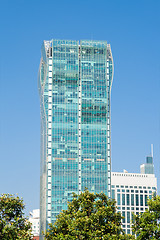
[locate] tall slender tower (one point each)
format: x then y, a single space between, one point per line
74 85
148 167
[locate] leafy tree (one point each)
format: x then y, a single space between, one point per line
89 216
13 225
147 225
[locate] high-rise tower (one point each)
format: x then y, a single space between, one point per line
74 84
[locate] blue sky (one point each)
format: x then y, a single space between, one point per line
133 30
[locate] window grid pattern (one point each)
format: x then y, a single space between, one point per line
74 85
94 116
64 124
131 200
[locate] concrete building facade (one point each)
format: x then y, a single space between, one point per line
131 192
34 218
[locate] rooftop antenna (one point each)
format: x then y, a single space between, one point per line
152 150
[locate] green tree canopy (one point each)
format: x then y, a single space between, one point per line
147 225
89 216
13 224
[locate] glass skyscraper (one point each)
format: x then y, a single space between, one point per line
74 85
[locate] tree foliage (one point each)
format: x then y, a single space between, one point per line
13 224
147 225
89 216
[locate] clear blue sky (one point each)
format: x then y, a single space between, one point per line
133 30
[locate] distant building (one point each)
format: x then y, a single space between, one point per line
131 192
148 167
34 218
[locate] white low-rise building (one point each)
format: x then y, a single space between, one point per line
34 218
131 192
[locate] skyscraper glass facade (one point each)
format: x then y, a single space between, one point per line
74 84
148 167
